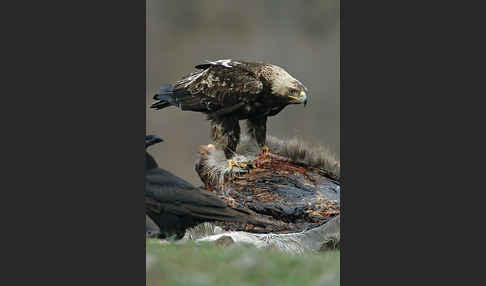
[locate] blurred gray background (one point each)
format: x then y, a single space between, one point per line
300 36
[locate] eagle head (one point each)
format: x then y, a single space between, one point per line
287 88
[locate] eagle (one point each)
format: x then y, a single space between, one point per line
175 205
232 90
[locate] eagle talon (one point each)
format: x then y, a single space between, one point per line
232 163
265 149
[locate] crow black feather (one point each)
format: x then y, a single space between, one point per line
175 205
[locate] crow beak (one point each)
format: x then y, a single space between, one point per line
152 139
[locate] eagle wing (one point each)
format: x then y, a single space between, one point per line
220 86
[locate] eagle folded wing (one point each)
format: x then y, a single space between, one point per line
218 87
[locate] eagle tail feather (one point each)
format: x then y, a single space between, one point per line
165 97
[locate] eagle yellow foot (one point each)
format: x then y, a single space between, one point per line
265 149
232 163
262 155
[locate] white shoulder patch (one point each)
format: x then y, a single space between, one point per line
226 63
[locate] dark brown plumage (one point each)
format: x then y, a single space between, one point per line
175 205
229 91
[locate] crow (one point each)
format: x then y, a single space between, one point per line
176 205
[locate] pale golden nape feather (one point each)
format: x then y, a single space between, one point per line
281 80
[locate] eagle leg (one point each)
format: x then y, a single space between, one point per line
257 128
225 133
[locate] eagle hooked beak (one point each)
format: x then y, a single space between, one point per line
301 98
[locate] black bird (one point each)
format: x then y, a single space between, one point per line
175 205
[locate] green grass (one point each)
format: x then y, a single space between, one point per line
206 264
